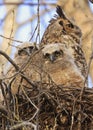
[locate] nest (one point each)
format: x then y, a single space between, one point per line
47 107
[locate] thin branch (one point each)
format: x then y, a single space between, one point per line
24 123
38 23
11 39
9 59
37 109
16 67
5 99
26 4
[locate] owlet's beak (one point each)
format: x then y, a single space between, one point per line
52 57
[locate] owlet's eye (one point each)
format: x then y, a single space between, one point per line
57 53
46 55
61 23
70 25
31 49
22 51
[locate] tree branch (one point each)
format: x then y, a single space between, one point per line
17 68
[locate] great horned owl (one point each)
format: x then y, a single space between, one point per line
81 13
22 59
59 64
62 30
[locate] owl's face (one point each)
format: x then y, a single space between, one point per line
60 66
61 26
65 26
27 49
54 52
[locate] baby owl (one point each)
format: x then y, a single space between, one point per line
59 64
22 59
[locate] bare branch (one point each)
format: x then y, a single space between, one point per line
16 67
11 39
9 59
24 123
27 4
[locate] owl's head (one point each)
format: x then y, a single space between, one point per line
55 51
60 25
27 48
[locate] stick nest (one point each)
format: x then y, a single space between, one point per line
47 107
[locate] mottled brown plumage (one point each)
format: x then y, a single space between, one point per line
62 30
22 58
51 64
59 27
60 65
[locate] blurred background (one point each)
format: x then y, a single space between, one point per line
26 20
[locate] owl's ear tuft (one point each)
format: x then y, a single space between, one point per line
60 12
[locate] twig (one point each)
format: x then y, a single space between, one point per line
26 4
17 68
38 29
37 109
11 39
33 33
9 59
5 99
24 123
38 36
72 117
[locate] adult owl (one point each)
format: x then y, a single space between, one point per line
62 30
80 11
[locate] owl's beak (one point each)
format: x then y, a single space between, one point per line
52 58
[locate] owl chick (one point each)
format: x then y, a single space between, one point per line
59 64
22 59
62 30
